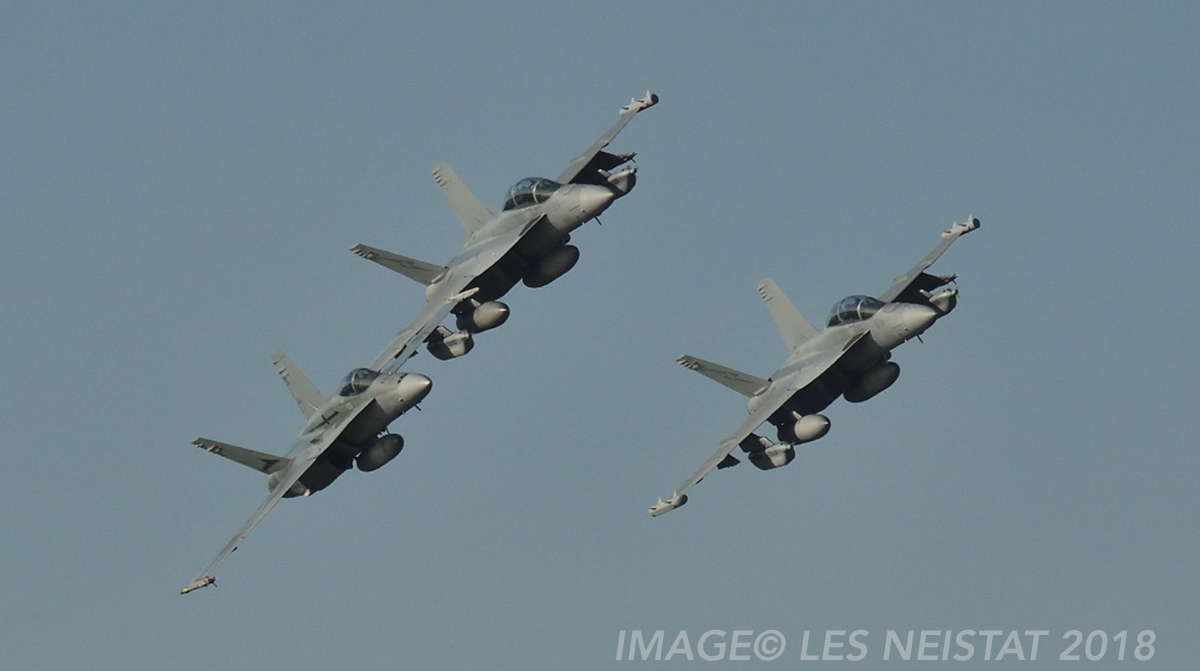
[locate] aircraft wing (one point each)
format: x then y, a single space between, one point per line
584 168
775 397
907 287
307 451
409 339
447 292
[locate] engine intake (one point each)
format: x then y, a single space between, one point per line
380 452
879 377
552 266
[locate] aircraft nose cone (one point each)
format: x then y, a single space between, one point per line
595 199
917 318
414 387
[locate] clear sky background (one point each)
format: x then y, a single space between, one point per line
178 189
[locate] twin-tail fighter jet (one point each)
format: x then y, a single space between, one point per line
342 431
848 358
528 241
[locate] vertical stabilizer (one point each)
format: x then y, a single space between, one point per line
471 213
794 328
307 396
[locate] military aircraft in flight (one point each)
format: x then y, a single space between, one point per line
850 358
528 241
342 431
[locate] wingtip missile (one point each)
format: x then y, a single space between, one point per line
635 105
668 505
961 229
198 583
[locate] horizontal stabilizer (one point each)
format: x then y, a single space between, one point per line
415 270
743 383
794 328
307 396
259 461
471 213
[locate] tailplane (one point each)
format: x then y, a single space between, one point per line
307 396
413 269
259 461
471 213
794 328
743 383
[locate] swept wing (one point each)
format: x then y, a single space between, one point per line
774 398
306 451
907 287
447 292
584 169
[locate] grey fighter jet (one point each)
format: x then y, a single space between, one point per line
528 241
342 431
848 358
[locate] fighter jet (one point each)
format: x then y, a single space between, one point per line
342 431
528 241
848 358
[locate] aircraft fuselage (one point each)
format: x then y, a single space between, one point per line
387 397
893 325
568 208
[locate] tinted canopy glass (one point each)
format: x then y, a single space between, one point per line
854 309
357 381
529 191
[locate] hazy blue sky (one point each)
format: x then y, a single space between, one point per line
178 189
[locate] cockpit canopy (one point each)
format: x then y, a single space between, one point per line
357 381
854 309
529 191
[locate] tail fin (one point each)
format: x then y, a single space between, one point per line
415 270
307 396
794 328
471 213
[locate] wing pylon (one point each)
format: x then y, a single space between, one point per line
450 289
